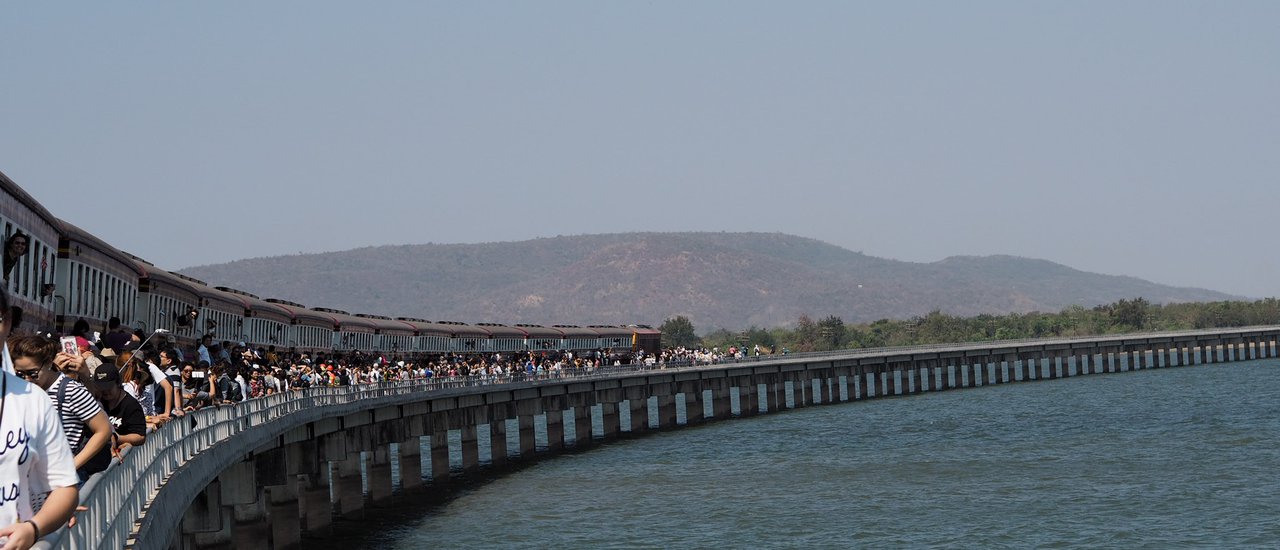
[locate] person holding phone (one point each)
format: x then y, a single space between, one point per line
87 429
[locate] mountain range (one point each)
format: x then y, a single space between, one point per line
717 280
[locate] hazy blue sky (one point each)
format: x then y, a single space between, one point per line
1135 138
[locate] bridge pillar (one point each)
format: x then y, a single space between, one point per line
242 498
666 411
1142 357
469 437
639 414
771 393
439 445
904 377
721 401
695 409
498 441
582 426
528 441
348 493
971 367
824 388
984 374
498 416
802 389
410 462
203 524
748 397
610 420
378 468
555 428
310 474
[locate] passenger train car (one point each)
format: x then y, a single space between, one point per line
65 275
30 269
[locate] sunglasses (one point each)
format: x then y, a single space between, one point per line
28 374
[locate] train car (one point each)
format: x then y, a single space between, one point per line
167 301
613 337
351 333
540 338
463 338
267 325
502 338
576 338
646 338
221 314
393 337
309 331
95 281
30 265
430 337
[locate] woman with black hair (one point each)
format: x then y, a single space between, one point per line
38 359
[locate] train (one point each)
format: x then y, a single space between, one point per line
63 275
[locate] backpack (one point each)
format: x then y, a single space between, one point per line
234 392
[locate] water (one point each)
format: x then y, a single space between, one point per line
1183 457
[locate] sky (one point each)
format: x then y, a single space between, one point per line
1127 138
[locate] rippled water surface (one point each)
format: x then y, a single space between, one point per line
1183 457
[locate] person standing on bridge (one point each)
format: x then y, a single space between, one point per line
34 457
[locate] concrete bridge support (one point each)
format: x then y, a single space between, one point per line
721 401
498 416
439 445
610 420
666 411
749 398
554 417
639 409
582 436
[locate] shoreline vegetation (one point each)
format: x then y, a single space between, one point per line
1122 317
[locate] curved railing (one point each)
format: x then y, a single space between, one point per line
120 497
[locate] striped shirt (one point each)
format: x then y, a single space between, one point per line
78 408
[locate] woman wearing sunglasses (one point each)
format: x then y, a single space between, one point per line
37 359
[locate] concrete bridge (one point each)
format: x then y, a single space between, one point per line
261 473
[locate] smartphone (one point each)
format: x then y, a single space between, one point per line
69 345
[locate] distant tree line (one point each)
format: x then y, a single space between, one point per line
1124 316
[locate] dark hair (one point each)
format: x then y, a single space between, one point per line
17 235
113 323
39 348
81 328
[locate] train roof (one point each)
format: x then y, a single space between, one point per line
301 315
148 271
27 201
539 331
74 234
575 331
